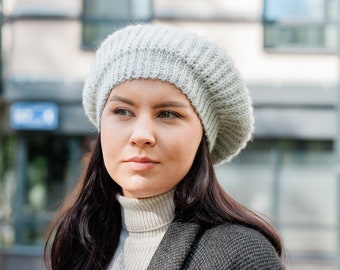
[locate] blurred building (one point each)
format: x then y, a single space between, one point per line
286 51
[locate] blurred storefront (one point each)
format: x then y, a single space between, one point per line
291 69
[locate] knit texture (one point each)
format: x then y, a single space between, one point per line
200 69
224 247
145 222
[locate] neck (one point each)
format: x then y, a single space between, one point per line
150 214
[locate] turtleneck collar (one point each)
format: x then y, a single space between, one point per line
146 215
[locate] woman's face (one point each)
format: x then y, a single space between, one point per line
150 134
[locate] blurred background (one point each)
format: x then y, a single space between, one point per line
287 52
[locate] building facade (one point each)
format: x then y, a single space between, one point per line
287 54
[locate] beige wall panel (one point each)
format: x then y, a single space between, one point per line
48 49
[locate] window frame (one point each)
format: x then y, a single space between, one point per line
296 47
102 22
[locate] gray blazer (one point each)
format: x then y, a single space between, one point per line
233 247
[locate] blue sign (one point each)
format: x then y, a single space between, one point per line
34 116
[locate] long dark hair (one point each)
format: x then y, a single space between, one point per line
84 233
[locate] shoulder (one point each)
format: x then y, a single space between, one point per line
237 247
234 234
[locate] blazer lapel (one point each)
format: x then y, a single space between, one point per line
175 246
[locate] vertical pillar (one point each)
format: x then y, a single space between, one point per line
20 164
276 162
337 143
1 22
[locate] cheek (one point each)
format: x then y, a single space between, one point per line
109 144
110 152
183 155
185 147
110 134
105 148
105 138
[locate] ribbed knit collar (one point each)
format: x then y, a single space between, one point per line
146 215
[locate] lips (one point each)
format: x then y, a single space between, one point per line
140 164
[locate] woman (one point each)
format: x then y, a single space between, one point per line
168 105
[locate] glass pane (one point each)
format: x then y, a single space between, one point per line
292 10
46 170
300 24
94 33
117 9
315 242
101 18
331 34
300 36
308 195
7 189
250 185
248 178
53 165
141 9
308 183
332 10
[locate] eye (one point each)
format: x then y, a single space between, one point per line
122 112
168 115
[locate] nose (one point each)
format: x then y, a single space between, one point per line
143 133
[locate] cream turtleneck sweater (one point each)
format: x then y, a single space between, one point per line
144 223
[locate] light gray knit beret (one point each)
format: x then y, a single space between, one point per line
200 69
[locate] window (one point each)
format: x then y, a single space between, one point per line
253 169
36 172
102 17
300 25
308 198
292 182
7 189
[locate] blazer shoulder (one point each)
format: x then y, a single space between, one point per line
245 248
238 237
236 232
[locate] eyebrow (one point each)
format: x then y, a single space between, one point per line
165 104
171 104
124 100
